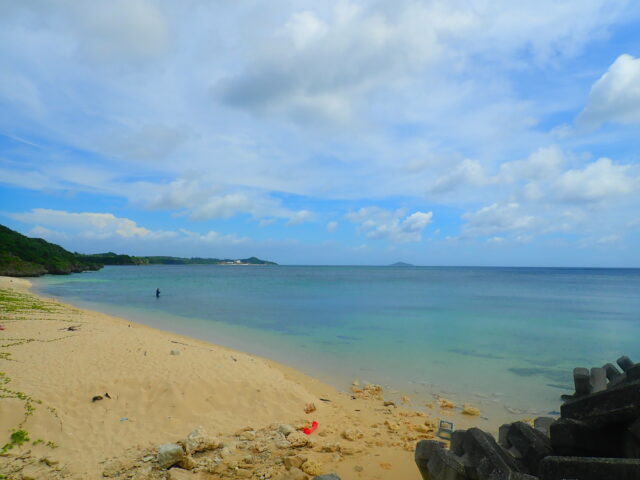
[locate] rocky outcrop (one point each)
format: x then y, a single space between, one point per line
597 437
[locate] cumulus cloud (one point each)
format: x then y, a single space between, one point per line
62 225
466 173
544 163
300 216
332 226
497 218
86 224
379 223
615 97
213 237
597 182
201 199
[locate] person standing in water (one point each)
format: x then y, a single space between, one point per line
157 292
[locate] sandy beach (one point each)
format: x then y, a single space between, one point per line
97 395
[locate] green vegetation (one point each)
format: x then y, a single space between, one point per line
111 258
19 302
13 305
17 438
22 256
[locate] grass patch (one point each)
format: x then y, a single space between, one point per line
11 301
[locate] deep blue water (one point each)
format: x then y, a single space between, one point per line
507 334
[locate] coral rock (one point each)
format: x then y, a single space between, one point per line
199 441
312 467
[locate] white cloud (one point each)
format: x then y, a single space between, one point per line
300 216
202 199
62 225
87 224
615 97
304 28
21 91
466 173
380 223
213 237
332 226
42 232
597 182
497 218
544 163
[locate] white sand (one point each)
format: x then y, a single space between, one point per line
158 397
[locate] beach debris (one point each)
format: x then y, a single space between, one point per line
113 468
124 419
445 429
389 403
469 409
96 398
392 426
294 461
107 395
310 407
373 390
311 429
169 454
352 434
248 435
405 399
72 328
2 327
174 352
293 474
179 474
198 441
298 439
386 466
325 400
444 403
285 429
312 467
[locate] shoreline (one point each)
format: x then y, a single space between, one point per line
163 385
498 402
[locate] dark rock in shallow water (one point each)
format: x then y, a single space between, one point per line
625 363
589 468
437 463
530 444
612 406
542 424
555 375
598 436
574 438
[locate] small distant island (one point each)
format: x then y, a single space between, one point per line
21 256
401 264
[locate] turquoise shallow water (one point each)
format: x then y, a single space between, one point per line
495 336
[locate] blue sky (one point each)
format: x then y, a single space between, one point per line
348 132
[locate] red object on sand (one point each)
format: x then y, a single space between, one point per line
314 427
2 327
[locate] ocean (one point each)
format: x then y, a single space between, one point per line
503 339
